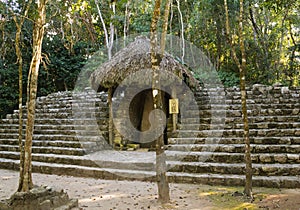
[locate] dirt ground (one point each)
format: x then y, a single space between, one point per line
228 198
284 199
124 195
106 194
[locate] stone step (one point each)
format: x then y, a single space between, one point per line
239 133
62 130
230 120
83 171
224 157
281 91
69 110
264 125
234 168
174 166
272 125
9 130
234 180
72 94
200 126
177 177
71 104
286 140
47 150
257 101
87 160
289 118
236 148
238 113
68 121
66 95
55 137
228 107
67 144
67 132
62 127
61 115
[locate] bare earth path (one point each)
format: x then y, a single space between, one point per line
106 195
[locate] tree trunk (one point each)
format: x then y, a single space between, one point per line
38 33
182 31
110 117
20 63
109 38
126 20
19 23
165 26
248 181
242 69
161 168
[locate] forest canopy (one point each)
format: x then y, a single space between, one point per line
75 29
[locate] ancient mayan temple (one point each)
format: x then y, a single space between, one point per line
199 152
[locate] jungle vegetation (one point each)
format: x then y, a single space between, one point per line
75 29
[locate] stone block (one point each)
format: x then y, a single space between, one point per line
269 170
45 205
265 159
293 158
280 158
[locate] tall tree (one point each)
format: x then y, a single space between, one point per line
242 67
38 34
182 31
109 36
161 168
19 21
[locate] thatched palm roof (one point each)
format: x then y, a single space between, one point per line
134 57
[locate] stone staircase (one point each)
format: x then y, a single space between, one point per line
71 131
213 152
70 138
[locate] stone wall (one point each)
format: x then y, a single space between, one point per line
208 146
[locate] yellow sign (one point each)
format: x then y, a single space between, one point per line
173 106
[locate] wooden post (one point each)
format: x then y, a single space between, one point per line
110 115
174 115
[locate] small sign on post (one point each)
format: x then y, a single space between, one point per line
174 110
173 106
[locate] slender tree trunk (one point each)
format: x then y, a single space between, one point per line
282 33
109 38
19 23
20 63
112 31
38 33
182 31
294 77
3 37
165 26
109 41
248 182
242 68
161 168
126 20
110 120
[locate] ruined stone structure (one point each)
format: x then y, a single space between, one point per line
39 198
209 151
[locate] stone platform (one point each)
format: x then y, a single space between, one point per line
71 131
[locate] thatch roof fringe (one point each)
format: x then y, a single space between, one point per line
135 57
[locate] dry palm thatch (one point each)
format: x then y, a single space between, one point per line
134 57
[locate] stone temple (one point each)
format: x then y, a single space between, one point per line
74 136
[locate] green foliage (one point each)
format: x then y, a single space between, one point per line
229 78
74 32
63 67
8 88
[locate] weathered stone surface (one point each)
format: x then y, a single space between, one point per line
38 198
274 133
